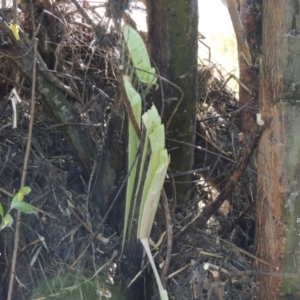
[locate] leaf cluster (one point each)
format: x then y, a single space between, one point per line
18 204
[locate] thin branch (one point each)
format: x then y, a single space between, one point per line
202 149
84 13
228 114
24 173
191 172
210 209
169 238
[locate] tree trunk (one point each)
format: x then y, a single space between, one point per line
173 44
250 15
278 197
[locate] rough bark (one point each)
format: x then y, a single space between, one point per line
278 205
110 172
250 14
172 39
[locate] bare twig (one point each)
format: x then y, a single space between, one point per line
228 114
249 254
84 13
191 172
179 102
202 149
43 68
210 209
169 238
238 81
24 173
15 20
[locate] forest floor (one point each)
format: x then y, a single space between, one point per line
63 251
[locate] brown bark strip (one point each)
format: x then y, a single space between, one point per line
239 31
250 16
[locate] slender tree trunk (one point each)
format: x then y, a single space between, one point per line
173 44
278 197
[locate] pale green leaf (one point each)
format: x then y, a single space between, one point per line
163 295
7 221
18 197
157 139
151 119
1 210
25 190
156 173
162 292
133 144
132 95
139 56
23 207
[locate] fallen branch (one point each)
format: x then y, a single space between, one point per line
241 166
52 92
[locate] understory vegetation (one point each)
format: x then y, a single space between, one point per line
71 247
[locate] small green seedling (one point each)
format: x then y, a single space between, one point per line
18 204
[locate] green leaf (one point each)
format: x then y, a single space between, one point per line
134 98
157 139
163 295
25 190
151 119
18 197
7 221
139 56
133 144
155 177
23 207
156 172
1 210
162 292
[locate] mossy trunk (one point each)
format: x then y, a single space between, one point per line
173 45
